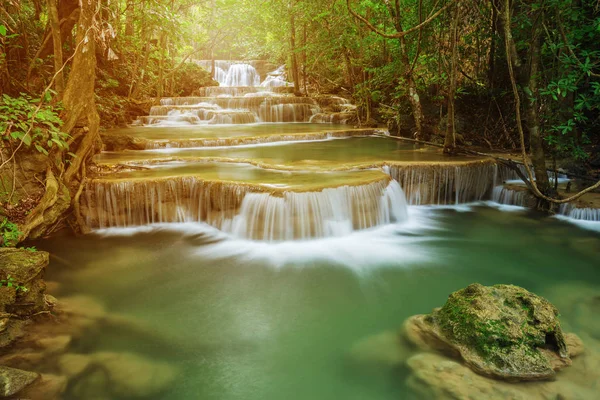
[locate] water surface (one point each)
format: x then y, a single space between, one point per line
268 321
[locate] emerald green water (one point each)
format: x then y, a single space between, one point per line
327 153
256 321
218 131
251 175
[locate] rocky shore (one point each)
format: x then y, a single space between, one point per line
41 356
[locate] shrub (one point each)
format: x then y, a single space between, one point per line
19 122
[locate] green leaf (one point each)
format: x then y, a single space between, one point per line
2 30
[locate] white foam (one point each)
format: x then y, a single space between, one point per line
589 225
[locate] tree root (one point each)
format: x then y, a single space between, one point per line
54 202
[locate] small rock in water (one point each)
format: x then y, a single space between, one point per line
73 365
501 331
385 349
49 387
14 380
133 376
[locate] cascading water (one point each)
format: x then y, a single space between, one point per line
243 211
240 91
443 184
330 212
241 75
585 213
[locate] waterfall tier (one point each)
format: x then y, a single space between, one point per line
264 211
251 108
516 194
213 135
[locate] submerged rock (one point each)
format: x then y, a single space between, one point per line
501 331
48 387
387 349
121 375
434 376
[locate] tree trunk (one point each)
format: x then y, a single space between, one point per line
413 93
129 16
450 139
68 15
536 143
78 100
294 57
54 22
304 35
492 55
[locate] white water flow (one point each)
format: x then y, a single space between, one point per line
514 193
242 98
242 211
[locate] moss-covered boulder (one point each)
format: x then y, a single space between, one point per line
502 331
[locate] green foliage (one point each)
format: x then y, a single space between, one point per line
9 233
11 283
32 249
22 122
189 78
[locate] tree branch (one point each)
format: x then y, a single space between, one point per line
402 33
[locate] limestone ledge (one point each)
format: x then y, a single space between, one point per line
119 142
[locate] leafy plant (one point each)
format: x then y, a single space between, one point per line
9 233
20 122
11 283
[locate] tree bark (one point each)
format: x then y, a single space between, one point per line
450 139
79 101
294 57
129 15
54 22
413 93
536 142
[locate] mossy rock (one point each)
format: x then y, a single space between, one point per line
502 331
26 268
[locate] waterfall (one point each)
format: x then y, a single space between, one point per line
512 196
232 109
584 213
242 210
448 184
330 212
241 75
240 91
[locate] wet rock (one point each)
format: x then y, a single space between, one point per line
434 376
14 380
55 344
126 375
73 365
93 386
134 376
502 331
574 344
26 269
49 387
80 314
23 359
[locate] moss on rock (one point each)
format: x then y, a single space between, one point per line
502 331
